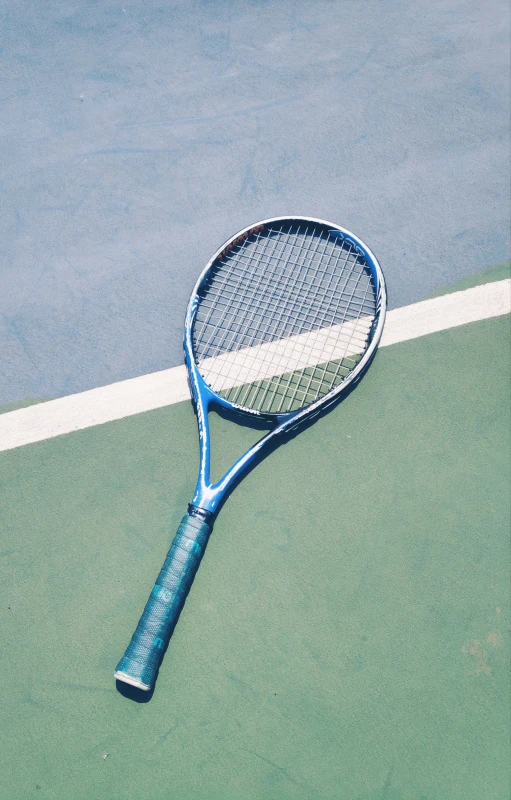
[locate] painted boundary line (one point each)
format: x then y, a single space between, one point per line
158 389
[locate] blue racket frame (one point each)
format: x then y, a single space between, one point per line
141 661
209 496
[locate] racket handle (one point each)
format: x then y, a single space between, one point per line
141 661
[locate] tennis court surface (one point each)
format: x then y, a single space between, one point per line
347 635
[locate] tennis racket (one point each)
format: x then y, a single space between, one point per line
283 320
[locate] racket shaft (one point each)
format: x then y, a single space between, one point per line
140 663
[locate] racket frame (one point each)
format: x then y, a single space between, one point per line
208 496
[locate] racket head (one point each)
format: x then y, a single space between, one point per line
284 317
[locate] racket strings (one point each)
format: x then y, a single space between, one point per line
286 314
302 388
263 284
332 371
252 278
216 286
267 388
255 369
283 317
316 380
295 309
246 322
226 293
297 386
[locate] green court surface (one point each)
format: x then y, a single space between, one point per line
347 635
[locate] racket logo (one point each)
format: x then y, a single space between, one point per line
162 594
193 547
240 238
159 643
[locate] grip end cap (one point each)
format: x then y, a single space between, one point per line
122 676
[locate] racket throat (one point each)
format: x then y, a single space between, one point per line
208 497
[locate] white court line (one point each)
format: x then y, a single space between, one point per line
158 389
303 350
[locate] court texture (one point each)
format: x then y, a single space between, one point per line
347 636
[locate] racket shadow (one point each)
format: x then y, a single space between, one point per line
132 693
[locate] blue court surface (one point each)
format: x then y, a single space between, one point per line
137 137
347 636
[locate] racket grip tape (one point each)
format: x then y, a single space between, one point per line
141 661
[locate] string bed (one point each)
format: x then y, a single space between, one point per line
284 316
